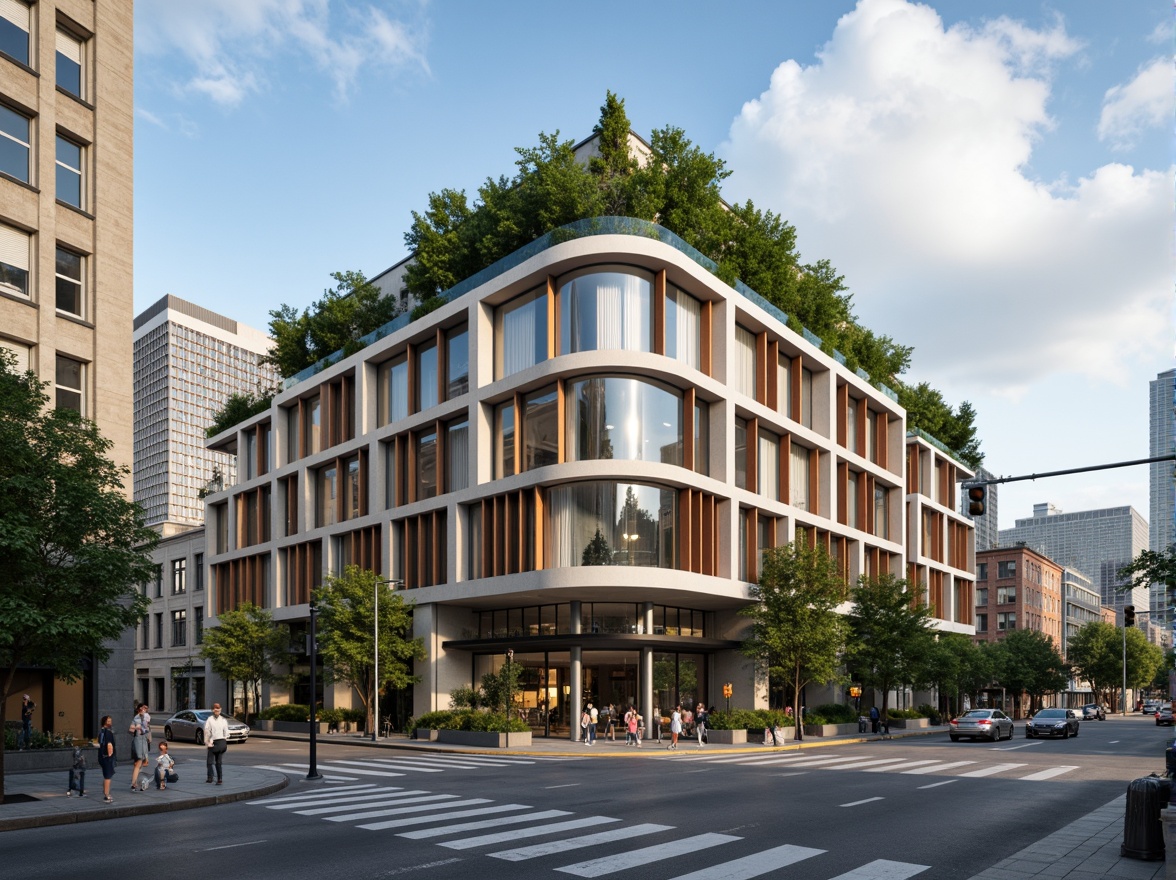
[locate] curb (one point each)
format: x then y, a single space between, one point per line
141 809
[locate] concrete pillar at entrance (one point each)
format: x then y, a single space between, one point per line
647 687
577 677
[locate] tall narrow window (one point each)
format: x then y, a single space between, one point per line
179 628
504 446
68 385
541 430
426 461
457 362
14 254
69 172
702 438
784 386
69 64
394 390
799 477
327 492
767 466
14 30
881 512
851 501
851 425
179 576
352 476
683 327
806 397
199 625
15 135
521 333
426 377
457 455
606 310
740 452
198 571
871 434
312 425
745 361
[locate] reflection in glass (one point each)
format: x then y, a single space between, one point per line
457 453
606 310
604 523
504 433
427 377
393 390
541 429
426 459
623 418
327 488
740 452
457 363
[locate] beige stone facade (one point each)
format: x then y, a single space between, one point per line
66 227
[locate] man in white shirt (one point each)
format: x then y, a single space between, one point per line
216 738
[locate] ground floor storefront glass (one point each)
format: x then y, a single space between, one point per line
546 686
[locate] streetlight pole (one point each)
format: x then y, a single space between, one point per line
509 692
313 774
391 582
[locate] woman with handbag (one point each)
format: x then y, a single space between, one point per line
138 746
216 738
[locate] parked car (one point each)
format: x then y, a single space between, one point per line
1150 707
1164 716
1053 722
1094 712
990 724
189 724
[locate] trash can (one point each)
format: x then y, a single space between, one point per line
1143 836
1170 761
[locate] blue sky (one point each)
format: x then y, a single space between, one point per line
994 180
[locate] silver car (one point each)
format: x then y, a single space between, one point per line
990 724
189 724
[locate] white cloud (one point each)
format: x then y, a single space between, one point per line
231 45
900 155
1144 102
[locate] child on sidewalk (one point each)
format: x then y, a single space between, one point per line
77 774
163 768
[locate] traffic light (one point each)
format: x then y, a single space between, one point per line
976 500
1128 615
727 690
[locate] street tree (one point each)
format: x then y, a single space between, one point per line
346 639
1028 662
1096 653
892 637
247 646
1152 568
958 666
73 547
796 633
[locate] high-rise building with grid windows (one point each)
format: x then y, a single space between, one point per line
188 361
1162 435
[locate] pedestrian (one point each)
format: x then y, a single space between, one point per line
145 725
106 757
657 723
593 720
687 722
631 727
675 726
700 723
138 747
610 722
874 717
77 774
163 768
640 729
27 706
584 719
216 738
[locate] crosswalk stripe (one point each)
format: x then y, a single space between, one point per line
938 767
386 802
400 811
537 831
414 761
363 788
285 768
557 846
1046 774
814 762
355 770
854 765
454 760
399 765
467 826
883 869
894 767
637 857
352 799
754 864
988 771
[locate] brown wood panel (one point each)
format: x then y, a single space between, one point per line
710 537
815 482
771 361
841 428
560 427
842 493
539 499
882 441
659 312
553 316
706 338
761 367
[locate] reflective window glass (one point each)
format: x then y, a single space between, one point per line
520 333
604 523
14 143
69 172
426 377
457 363
623 418
606 310
540 430
69 64
14 30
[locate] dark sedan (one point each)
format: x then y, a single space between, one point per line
1053 722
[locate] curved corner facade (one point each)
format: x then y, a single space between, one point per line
580 461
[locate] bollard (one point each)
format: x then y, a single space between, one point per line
1143 836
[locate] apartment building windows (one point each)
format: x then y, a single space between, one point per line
851 499
504 434
521 333
68 386
744 361
69 64
800 495
159 629
15 144
426 377
198 633
606 310
14 254
806 397
982 595
1006 620
683 328
701 438
14 30
179 628
540 429
1006 569
312 424
981 623
1006 595
145 632
198 566
741 452
882 512
457 362
69 282
426 461
457 455
327 489
982 571
618 417
69 172
179 576
767 466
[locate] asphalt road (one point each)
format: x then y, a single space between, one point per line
921 806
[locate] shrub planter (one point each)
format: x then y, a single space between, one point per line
830 729
910 723
426 735
725 737
292 726
264 724
47 759
484 739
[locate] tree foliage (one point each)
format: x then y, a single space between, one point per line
1026 661
795 630
955 428
1151 567
246 646
73 547
958 666
353 308
1096 653
347 624
239 406
893 640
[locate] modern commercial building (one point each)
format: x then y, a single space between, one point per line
580 458
188 361
1082 605
1096 543
66 134
1162 483
986 524
1017 588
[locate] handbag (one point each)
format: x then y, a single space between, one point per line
220 746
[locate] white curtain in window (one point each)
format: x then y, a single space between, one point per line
518 339
745 361
610 312
689 321
577 511
457 457
768 466
799 478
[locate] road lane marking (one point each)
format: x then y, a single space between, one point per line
988 771
1046 774
1112 742
756 864
407 868
937 784
392 765
859 803
231 846
400 811
353 770
854 765
536 831
565 785
355 799
285 768
636 858
899 767
465 826
800 773
552 847
362 788
951 765
1014 748
883 869
387 802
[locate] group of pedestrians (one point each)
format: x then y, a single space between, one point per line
216 736
688 722
632 724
